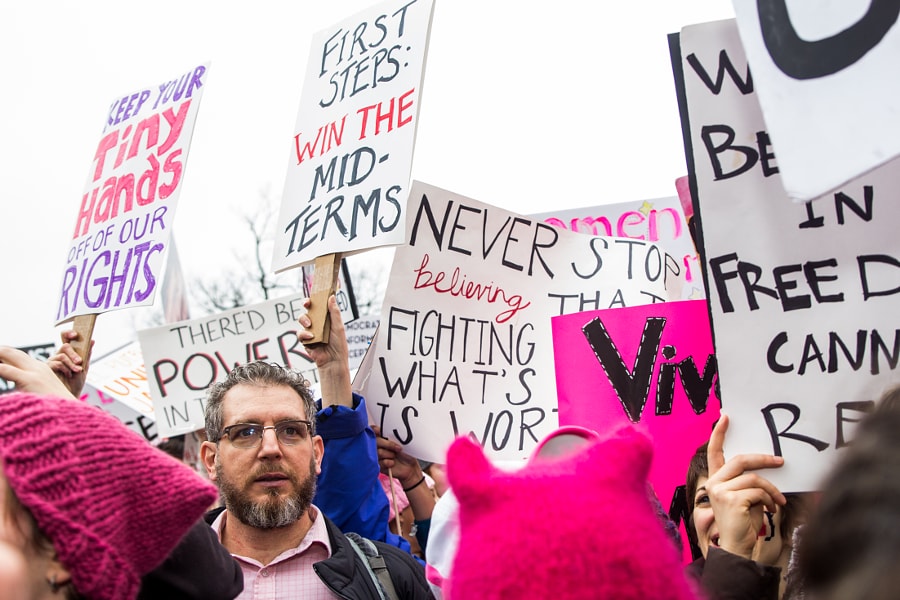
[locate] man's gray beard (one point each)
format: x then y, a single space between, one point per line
273 512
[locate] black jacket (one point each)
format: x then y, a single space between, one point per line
723 575
199 568
346 575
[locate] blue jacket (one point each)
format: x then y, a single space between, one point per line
348 490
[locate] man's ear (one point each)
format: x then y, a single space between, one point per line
208 452
318 452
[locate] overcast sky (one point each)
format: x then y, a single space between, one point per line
528 106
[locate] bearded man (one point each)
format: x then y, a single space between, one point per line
263 453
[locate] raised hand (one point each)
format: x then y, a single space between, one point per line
391 457
67 364
332 359
30 374
738 495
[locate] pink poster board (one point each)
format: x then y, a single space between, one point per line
636 365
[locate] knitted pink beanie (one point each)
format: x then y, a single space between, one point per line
112 505
576 526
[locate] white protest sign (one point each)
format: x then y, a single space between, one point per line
121 375
465 342
659 220
824 76
123 228
184 358
134 420
359 336
352 146
802 296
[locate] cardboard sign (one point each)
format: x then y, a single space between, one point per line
123 228
803 297
352 147
121 376
823 73
652 366
174 289
184 358
359 337
465 342
660 220
138 422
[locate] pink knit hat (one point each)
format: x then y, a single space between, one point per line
578 525
112 505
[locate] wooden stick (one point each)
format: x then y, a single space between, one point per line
83 325
394 503
325 278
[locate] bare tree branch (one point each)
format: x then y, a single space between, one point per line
250 280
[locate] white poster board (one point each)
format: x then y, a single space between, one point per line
184 358
121 376
136 421
352 147
465 342
803 297
824 76
359 336
124 221
658 220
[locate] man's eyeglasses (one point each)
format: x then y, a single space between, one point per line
249 435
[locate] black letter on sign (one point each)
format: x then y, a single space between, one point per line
632 387
862 261
773 429
865 406
698 387
800 59
745 85
678 513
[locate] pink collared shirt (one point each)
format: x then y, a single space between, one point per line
290 575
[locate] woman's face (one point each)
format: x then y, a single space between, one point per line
25 567
12 531
769 543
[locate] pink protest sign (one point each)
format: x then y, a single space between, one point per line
652 366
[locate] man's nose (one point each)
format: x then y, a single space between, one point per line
269 443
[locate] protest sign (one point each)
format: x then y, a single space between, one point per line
465 343
823 75
123 383
138 422
351 151
650 365
184 358
174 290
359 336
121 376
124 222
660 220
41 352
802 296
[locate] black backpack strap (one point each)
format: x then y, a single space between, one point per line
375 565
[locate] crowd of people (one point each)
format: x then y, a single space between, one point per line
303 498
